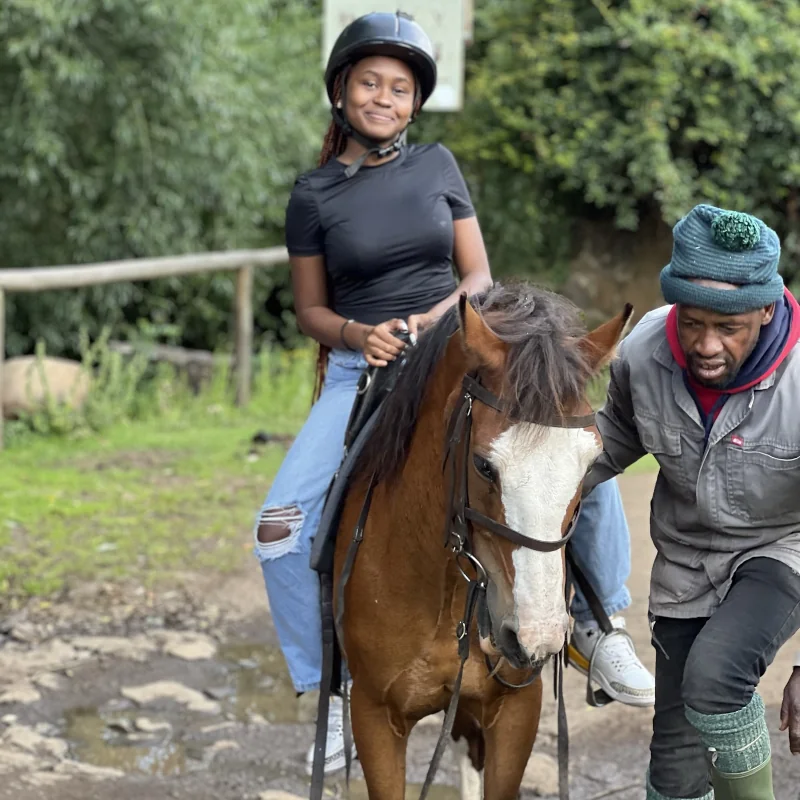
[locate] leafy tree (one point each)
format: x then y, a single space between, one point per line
619 109
150 127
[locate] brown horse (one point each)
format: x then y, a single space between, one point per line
528 359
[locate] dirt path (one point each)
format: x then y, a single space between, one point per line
114 694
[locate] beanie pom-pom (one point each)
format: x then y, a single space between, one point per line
735 231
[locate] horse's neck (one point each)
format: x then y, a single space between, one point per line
417 496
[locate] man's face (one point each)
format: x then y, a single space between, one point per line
716 345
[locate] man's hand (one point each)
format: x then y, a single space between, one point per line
790 711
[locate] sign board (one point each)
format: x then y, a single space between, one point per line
444 21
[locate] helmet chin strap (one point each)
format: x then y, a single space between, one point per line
373 146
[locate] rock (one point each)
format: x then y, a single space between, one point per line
27 739
88 770
49 681
13 760
43 778
220 726
188 646
25 632
257 719
9 719
28 382
46 729
123 725
171 690
22 693
277 794
219 692
17 664
218 747
149 726
136 648
541 775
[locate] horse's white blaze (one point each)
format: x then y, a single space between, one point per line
540 469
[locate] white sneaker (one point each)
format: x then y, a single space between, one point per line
616 667
334 748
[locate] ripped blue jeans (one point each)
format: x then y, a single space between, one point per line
296 499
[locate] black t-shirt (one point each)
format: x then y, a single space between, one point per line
386 233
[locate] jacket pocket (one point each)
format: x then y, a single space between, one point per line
762 486
666 445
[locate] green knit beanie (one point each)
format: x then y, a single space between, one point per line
725 246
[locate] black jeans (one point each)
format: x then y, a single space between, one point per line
714 667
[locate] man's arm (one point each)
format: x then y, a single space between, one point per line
621 444
790 709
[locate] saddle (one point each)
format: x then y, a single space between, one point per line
374 385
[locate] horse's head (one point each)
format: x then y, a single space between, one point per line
525 466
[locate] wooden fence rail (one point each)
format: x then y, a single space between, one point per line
243 262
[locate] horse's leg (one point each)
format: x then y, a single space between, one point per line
470 748
510 734
381 747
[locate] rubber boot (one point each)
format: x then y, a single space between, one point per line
739 749
756 784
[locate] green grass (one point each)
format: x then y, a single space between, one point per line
142 500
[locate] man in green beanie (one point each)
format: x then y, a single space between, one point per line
710 385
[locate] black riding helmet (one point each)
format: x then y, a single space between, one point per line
380 34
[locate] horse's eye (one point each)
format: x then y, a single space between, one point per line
484 468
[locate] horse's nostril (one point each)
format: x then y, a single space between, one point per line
509 645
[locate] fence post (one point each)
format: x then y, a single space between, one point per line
2 360
244 334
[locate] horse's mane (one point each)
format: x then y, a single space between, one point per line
545 371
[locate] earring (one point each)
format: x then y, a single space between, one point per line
339 104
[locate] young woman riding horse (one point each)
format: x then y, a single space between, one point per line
374 235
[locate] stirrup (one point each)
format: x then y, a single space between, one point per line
596 698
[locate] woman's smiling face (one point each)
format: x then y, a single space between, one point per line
380 97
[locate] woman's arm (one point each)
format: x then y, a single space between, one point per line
472 263
317 320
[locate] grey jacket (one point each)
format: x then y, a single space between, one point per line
714 507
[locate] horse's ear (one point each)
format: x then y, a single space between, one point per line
481 346
600 346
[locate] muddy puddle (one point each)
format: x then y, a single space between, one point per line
156 742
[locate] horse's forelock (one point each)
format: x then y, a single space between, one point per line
545 372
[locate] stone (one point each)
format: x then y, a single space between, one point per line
171 690
43 778
146 725
277 794
13 760
23 693
541 775
49 681
9 719
220 726
220 746
80 769
25 632
28 382
136 648
188 646
27 739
